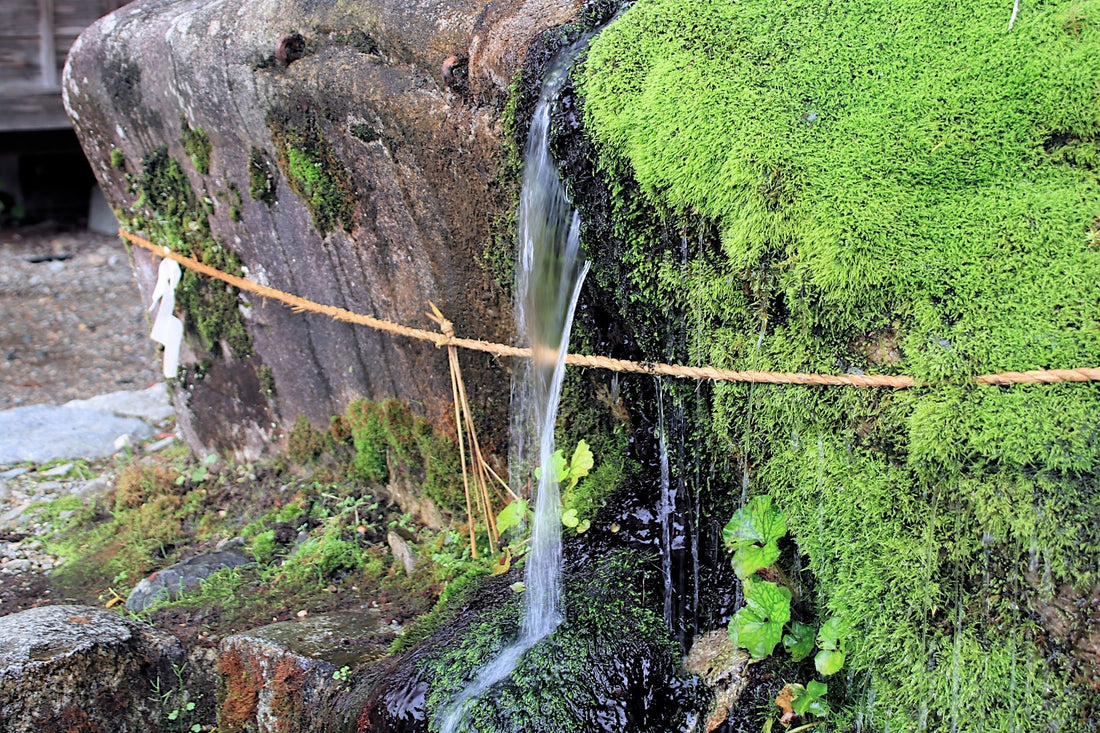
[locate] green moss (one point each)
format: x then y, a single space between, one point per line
118 159
306 443
893 187
266 375
261 177
171 214
313 171
197 145
392 443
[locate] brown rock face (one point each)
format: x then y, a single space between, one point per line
318 149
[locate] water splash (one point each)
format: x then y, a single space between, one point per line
549 273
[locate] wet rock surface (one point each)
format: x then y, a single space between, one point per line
66 668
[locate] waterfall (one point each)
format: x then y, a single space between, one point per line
549 273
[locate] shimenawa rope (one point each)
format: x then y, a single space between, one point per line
1051 376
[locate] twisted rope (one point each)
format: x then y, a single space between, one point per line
299 304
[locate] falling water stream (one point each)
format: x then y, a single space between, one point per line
549 273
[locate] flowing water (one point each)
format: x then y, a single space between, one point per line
549 273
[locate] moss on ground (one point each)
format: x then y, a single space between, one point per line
885 187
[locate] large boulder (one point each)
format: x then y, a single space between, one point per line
79 668
347 152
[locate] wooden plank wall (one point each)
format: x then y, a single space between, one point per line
35 37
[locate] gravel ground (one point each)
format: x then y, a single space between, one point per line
72 326
71 320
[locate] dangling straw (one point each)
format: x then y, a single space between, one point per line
464 423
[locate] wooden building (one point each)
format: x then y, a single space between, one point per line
35 36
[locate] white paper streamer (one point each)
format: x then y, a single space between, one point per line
167 329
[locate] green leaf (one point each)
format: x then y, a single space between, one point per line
569 518
831 635
750 558
808 699
512 515
517 587
580 464
752 534
584 526
799 641
829 661
758 625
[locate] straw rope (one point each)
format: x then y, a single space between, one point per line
299 304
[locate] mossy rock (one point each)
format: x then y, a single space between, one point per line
610 666
881 187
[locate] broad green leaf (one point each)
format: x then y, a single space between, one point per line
831 635
517 587
758 625
584 526
512 515
557 462
829 661
569 518
758 522
799 641
752 533
580 464
750 558
808 699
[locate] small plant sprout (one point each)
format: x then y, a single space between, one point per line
342 673
830 640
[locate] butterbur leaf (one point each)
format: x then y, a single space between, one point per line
569 518
799 641
829 661
558 463
752 534
759 521
750 558
512 515
583 526
758 625
784 701
580 464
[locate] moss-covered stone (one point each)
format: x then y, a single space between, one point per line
610 666
888 187
314 171
169 212
261 177
392 443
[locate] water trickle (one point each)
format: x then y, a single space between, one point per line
549 273
666 508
